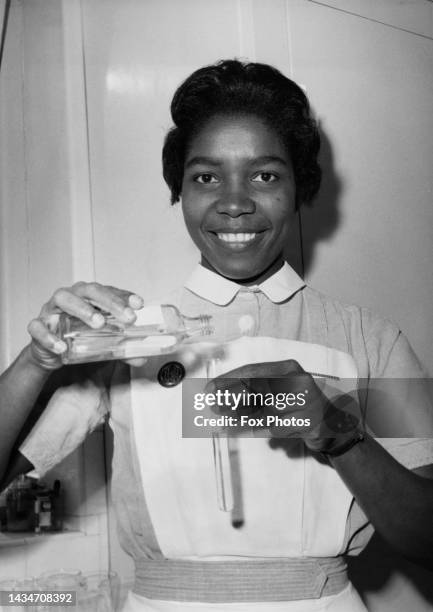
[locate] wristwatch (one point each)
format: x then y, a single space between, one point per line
342 424
345 446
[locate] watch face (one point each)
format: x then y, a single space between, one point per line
171 374
338 419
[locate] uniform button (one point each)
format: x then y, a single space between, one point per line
171 374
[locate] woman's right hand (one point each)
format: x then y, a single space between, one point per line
82 300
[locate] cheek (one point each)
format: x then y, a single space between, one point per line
283 213
192 217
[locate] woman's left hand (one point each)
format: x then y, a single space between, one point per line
293 404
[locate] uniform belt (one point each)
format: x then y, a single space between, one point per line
282 579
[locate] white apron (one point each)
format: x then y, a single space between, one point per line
346 601
304 518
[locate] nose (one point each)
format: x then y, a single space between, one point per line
235 201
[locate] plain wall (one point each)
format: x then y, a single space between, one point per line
45 227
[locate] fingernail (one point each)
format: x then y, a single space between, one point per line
97 319
135 301
59 347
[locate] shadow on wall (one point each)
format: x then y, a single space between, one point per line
319 220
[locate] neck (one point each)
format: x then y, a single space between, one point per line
252 280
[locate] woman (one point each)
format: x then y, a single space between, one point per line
243 157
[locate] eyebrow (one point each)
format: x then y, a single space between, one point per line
202 160
210 161
269 159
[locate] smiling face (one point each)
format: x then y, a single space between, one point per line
238 197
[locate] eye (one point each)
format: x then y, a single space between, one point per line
265 177
205 178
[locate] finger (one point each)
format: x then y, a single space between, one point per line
238 397
138 362
64 300
237 384
110 299
45 338
51 321
231 392
135 301
296 424
275 395
266 369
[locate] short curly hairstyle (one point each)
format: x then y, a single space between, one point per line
231 87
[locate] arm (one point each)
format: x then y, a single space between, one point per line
397 501
20 386
22 383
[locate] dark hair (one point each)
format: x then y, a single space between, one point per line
233 87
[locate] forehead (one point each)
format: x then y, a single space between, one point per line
236 137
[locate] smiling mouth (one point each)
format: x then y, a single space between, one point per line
237 238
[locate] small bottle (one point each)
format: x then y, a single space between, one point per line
168 329
48 509
20 504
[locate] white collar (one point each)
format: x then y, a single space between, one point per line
215 288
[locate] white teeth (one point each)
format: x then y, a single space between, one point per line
236 237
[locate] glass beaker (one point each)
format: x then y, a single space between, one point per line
101 593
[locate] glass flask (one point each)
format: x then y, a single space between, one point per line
119 341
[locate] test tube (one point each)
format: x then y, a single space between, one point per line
221 457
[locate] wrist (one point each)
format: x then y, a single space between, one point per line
338 432
34 365
340 447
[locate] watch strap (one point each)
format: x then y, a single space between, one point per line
345 446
